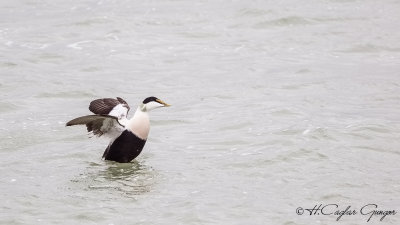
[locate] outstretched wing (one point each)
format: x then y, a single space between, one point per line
110 106
99 125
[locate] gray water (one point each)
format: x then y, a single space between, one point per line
275 105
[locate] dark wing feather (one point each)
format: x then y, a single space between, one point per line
98 124
103 106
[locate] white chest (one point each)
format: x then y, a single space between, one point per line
140 124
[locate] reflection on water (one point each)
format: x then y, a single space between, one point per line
129 179
125 171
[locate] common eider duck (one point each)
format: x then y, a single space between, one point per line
128 136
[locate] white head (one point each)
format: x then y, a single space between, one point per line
151 103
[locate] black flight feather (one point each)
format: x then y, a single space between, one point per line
94 123
104 106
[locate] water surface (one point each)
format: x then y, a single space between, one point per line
276 105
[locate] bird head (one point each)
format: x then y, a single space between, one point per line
151 103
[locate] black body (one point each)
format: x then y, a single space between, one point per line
125 148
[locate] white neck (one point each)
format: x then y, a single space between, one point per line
139 124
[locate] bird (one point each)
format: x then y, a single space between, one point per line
127 136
